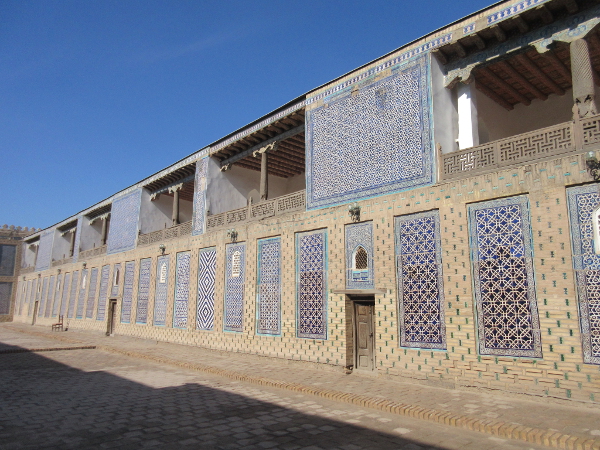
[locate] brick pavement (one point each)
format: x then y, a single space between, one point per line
537 420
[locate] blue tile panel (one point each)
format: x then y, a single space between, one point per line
583 203
371 141
235 273
200 197
268 311
81 300
32 297
143 291
124 216
501 251
43 297
8 255
117 280
182 289
420 281
77 238
5 293
73 294
91 300
161 293
311 284
65 294
359 235
50 297
205 303
57 293
44 255
127 292
103 295
513 10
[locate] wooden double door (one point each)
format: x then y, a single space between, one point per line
364 333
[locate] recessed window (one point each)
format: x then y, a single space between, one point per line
236 264
116 278
163 273
360 259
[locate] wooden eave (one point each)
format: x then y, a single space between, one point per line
187 192
67 226
99 211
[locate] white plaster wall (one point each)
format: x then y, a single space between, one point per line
186 210
445 117
28 258
91 235
61 247
295 184
155 215
495 122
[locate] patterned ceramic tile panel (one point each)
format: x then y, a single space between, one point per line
50 297
200 197
234 286
373 141
43 297
5 293
73 294
89 310
311 281
127 292
501 251
182 289
65 294
8 255
44 255
268 311
583 201
77 238
359 235
161 292
123 231
81 299
57 294
205 304
114 289
143 291
103 295
420 281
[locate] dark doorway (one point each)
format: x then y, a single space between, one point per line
35 312
110 325
364 333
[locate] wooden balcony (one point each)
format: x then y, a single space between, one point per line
60 262
576 136
275 207
183 229
92 253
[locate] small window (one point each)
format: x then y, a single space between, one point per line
163 273
116 278
360 259
83 281
236 264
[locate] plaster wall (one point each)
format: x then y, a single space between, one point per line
62 245
90 235
445 116
155 214
28 256
186 210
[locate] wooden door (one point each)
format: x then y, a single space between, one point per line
112 306
364 341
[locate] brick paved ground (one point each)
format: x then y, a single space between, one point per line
97 399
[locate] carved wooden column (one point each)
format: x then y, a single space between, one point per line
175 191
72 246
37 247
264 176
582 73
104 236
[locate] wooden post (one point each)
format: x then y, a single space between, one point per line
72 246
176 207
264 177
104 230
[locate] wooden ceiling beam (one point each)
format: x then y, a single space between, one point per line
480 43
495 97
441 57
521 24
498 32
503 85
545 14
559 66
522 80
532 67
292 145
288 161
571 6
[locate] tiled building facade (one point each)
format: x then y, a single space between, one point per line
424 217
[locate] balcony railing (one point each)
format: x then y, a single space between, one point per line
25 270
60 262
92 252
184 229
558 139
275 207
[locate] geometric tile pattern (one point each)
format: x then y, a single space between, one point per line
44 254
102 297
234 286
89 312
82 288
57 292
182 289
199 197
123 230
117 280
65 295
161 292
50 297
5 293
205 305
311 282
420 281
73 294
127 292
43 298
359 235
583 201
143 291
501 251
7 260
512 10
268 311
371 139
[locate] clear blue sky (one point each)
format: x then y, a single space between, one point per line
96 95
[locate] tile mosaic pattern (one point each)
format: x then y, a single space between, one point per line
91 300
311 282
371 141
161 293
82 288
114 289
43 297
268 311
234 286
143 291
103 295
50 296
182 289
65 295
205 302
5 294
512 10
78 238
44 256
420 281
501 251
73 294
8 255
200 197
127 292
359 235
123 231
57 293
583 201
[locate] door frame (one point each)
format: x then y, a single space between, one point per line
36 306
354 301
112 312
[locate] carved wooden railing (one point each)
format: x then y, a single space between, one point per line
527 147
25 270
92 252
60 262
277 206
183 229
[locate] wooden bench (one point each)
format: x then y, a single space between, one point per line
58 326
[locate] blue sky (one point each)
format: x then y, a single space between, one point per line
96 95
